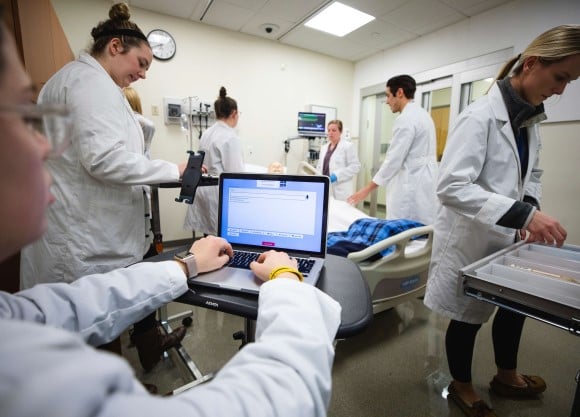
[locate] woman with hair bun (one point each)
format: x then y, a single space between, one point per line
97 222
223 153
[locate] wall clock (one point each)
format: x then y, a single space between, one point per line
162 44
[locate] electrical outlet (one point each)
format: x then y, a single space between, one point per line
155 110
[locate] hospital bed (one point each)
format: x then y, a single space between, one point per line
395 278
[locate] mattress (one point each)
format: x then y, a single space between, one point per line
537 280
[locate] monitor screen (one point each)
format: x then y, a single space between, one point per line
311 124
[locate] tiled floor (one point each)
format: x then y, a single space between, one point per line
396 367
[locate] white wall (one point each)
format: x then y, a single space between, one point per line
270 81
512 25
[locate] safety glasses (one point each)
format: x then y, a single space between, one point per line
53 121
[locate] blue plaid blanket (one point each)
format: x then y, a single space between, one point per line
363 233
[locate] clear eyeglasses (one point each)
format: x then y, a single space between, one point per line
53 121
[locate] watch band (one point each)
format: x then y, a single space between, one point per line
188 259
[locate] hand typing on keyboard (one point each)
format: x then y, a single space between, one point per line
243 259
270 260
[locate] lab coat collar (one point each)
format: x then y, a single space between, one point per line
88 59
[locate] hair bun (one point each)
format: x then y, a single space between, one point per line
223 93
119 11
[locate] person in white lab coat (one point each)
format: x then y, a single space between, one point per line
49 367
223 153
339 161
409 170
489 188
98 220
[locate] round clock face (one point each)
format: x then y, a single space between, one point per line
162 44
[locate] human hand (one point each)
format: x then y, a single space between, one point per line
211 253
203 169
270 260
357 197
546 229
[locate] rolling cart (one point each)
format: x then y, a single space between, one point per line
539 281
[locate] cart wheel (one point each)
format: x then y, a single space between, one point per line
187 321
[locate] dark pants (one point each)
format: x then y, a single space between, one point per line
460 342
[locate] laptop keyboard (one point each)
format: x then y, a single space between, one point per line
242 259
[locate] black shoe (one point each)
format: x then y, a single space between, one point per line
152 343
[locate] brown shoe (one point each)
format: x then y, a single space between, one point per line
477 409
534 385
153 342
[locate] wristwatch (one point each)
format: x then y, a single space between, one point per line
188 259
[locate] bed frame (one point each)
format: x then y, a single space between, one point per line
401 275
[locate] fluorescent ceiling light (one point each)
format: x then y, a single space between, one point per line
339 19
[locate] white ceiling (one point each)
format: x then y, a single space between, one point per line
397 21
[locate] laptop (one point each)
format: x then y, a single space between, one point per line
258 212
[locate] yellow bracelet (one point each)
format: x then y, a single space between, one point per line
277 271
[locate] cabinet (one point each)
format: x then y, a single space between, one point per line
44 49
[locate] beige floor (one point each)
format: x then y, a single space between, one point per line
394 368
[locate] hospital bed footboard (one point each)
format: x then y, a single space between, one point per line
402 274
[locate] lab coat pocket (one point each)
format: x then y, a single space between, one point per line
115 226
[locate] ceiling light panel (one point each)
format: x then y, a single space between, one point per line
339 19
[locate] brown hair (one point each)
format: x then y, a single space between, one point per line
406 82
336 122
117 26
224 106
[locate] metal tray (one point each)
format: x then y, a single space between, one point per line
537 280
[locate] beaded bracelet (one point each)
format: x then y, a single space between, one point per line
277 271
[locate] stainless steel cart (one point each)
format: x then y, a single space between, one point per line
539 281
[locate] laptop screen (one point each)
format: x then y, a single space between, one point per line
283 212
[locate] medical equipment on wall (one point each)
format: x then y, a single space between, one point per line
196 114
311 127
314 145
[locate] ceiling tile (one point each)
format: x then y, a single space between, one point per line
420 17
227 16
291 10
321 42
380 35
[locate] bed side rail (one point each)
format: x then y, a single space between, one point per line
398 261
304 168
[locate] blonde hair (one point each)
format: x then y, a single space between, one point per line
551 46
133 99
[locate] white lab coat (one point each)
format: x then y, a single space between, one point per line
223 153
344 163
49 370
409 170
479 181
97 222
